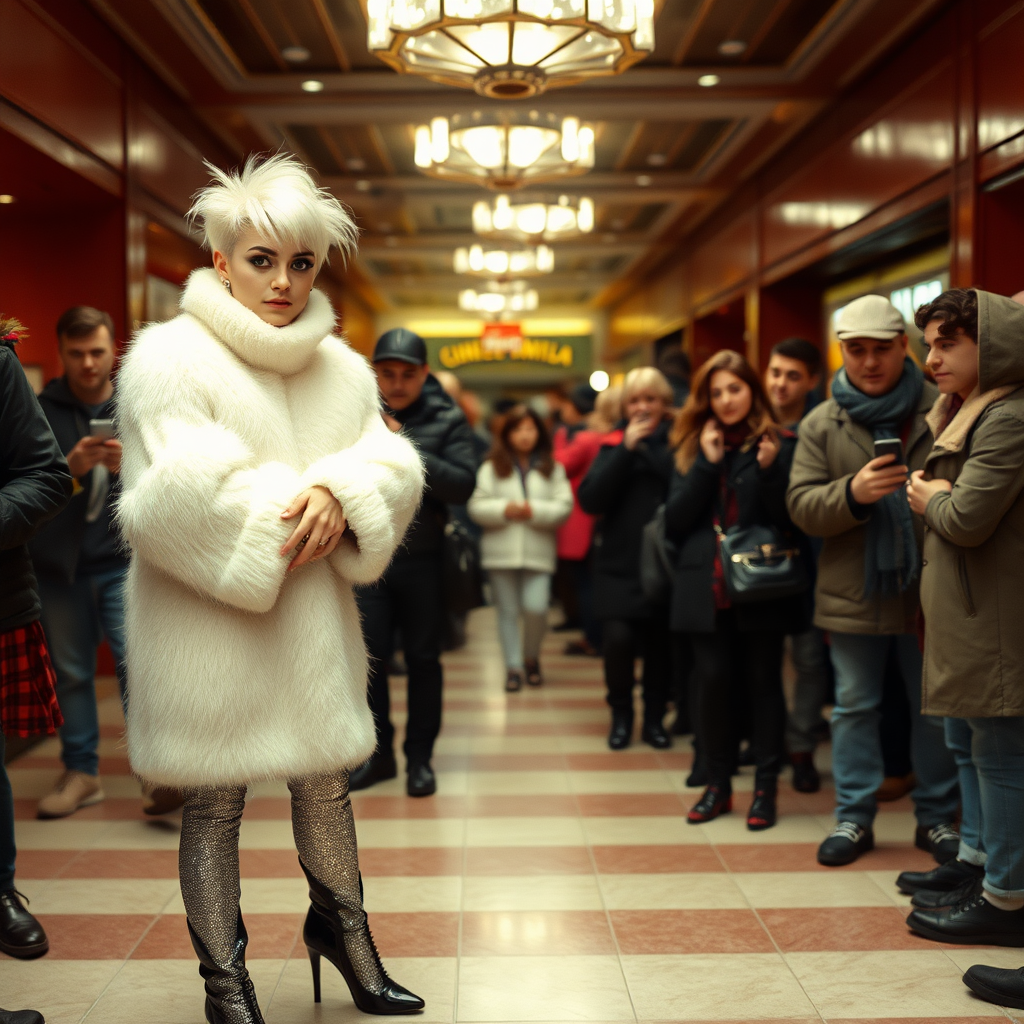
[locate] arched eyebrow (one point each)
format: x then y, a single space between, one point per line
267 251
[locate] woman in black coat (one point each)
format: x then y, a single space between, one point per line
625 485
732 465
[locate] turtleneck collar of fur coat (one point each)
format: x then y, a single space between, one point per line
284 350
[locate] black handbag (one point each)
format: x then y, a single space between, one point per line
462 572
658 558
759 563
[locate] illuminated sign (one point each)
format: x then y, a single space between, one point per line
504 343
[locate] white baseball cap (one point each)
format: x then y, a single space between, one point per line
870 316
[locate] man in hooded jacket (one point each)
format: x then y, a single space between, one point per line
971 496
409 596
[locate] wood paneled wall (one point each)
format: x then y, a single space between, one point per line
935 123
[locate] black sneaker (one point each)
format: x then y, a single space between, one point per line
379 768
932 898
845 843
974 921
1003 987
945 878
941 841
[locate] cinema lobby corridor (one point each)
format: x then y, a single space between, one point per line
549 880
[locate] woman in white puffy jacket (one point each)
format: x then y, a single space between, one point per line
522 496
260 482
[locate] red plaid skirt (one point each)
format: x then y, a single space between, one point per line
28 701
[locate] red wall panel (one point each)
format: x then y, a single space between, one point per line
910 143
167 164
999 83
61 85
725 261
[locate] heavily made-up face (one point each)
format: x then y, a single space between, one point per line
271 278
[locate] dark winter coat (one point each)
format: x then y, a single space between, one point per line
34 486
693 503
624 488
57 548
443 437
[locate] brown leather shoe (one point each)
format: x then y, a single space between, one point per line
158 800
74 790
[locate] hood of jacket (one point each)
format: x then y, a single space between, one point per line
1000 341
432 401
285 350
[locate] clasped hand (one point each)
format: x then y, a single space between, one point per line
921 491
518 511
320 526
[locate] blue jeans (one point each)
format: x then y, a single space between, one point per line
7 848
859 660
989 754
75 618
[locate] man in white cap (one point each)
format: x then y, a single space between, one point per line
868 572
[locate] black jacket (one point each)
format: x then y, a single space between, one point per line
34 486
693 502
624 488
57 548
444 438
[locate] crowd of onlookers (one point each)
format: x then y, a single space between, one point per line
867 530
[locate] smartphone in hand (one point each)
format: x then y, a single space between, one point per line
890 446
103 429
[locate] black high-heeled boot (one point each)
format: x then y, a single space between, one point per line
351 949
230 996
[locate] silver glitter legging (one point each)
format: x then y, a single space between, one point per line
325 837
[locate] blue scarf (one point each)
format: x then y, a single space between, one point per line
890 548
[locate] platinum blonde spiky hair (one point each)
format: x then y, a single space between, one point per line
278 197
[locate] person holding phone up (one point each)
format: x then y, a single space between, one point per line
840 489
78 557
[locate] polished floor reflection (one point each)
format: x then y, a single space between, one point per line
549 880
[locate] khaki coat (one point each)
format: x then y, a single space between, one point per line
972 585
831 450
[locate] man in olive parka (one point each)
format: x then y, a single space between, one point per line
971 495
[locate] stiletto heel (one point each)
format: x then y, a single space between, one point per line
349 947
314 962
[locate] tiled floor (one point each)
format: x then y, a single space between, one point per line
549 880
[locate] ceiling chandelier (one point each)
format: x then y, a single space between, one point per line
499 297
533 222
500 262
510 49
501 153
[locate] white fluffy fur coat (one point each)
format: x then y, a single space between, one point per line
236 671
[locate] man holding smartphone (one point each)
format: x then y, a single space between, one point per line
843 490
78 556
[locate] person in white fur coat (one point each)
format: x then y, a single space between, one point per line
522 497
259 484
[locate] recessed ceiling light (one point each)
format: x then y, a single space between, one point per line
363 186
355 163
643 180
6 199
657 159
708 80
315 85
295 54
732 47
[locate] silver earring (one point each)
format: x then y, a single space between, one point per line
227 284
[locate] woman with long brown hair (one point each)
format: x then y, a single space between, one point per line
522 496
732 469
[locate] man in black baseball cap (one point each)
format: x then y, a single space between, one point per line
409 596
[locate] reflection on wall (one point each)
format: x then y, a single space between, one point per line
161 299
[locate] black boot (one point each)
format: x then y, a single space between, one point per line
763 813
230 997
381 767
622 730
21 1017
349 946
21 935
